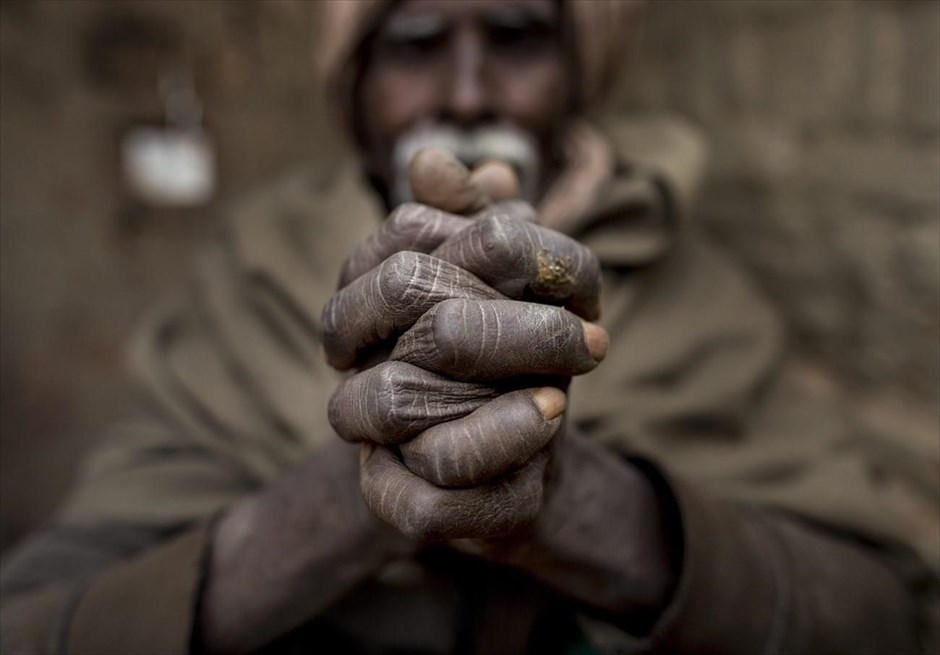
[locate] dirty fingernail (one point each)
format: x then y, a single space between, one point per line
595 337
550 401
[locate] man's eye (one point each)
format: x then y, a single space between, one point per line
519 40
412 48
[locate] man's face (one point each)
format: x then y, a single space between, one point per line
486 78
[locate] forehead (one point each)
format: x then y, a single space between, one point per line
468 8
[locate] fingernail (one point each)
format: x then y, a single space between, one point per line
365 452
550 401
595 337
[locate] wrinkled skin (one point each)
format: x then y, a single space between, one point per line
457 342
490 305
456 411
463 320
461 440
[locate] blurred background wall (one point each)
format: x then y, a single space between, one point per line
823 117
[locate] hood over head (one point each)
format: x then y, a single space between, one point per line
598 28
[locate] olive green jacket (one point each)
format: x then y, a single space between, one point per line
783 501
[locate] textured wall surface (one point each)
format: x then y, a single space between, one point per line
824 121
824 125
80 262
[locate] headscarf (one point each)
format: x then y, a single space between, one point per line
599 29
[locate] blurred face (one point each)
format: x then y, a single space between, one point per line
487 79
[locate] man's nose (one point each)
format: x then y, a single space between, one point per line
468 100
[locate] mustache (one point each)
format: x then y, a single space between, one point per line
472 146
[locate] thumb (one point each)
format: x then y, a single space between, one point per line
440 180
497 179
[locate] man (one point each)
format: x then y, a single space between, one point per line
681 495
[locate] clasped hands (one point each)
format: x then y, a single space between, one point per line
463 322
477 324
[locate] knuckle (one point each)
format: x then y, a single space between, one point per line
406 219
436 464
430 456
449 325
396 273
388 377
387 390
499 236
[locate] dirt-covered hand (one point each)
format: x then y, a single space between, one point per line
481 476
422 255
457 442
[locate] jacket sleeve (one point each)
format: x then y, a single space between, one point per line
756 580
108 588
118 569
786 499
234 393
